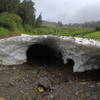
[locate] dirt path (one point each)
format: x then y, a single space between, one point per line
52 82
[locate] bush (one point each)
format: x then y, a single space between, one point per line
27 28
10 21
4 31
97 28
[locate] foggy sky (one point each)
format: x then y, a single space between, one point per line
69 11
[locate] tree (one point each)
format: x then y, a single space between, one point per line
9 6
27 12
39 21
60 23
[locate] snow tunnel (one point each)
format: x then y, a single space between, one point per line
47 51
83 53
41 53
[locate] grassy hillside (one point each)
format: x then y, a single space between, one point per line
62 31
95 35
11 24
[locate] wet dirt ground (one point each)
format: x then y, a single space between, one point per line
47 82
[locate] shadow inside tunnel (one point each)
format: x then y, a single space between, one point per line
43 54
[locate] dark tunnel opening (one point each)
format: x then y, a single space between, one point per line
43 54
70 62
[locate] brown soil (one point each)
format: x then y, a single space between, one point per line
52 82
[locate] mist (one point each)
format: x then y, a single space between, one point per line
68 11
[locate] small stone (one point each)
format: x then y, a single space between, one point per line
87 94
91 86
51 96
82 94
98 83
41 88
1 98
84 83
11 84
77 93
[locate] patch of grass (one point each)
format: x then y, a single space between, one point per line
94 35
4 31
61 31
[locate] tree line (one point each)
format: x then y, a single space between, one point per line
92 24
24 9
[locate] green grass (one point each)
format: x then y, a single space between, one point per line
94 35
11 22
4 31
61 31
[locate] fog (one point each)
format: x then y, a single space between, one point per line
68 11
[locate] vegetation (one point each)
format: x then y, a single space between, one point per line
4 31
10 6
98 28
27 12
61 31
11 22
19 17
39 21
94 35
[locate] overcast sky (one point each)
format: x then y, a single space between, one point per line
68 11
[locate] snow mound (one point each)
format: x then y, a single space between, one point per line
84 52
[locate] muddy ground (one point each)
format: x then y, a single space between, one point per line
47 82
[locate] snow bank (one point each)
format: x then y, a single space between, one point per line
84 52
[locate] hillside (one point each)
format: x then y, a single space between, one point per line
11 24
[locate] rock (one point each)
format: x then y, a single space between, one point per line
84 52
41 88
82 94
2 98
83 83
77 93
98 83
